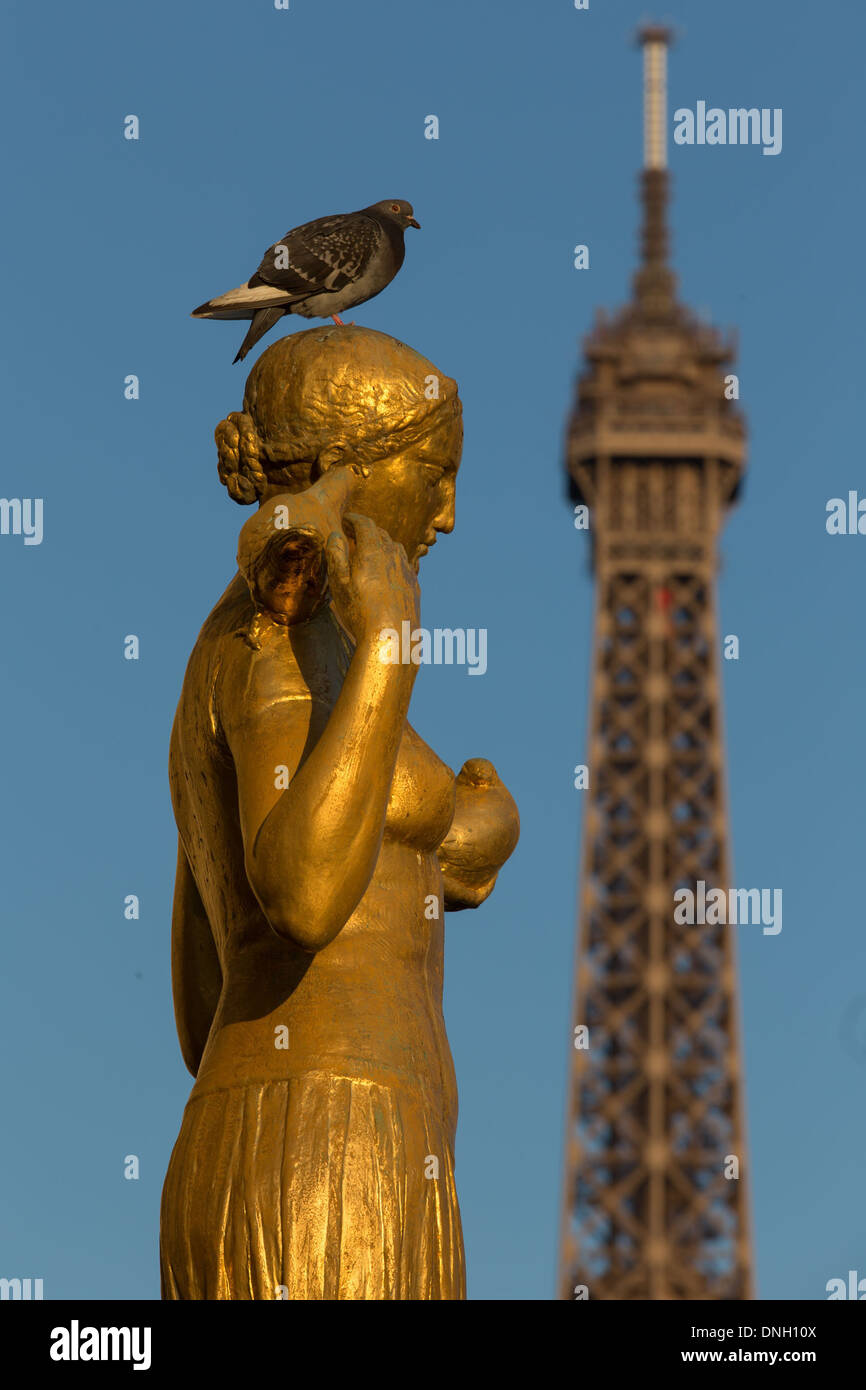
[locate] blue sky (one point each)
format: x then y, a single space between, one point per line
252 121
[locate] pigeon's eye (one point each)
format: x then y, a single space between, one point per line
395 207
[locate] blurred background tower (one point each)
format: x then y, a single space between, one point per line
656 449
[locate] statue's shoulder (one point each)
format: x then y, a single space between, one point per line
233 611
232 614
245 666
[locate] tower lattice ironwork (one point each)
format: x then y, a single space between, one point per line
652 1206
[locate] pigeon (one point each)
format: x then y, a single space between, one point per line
318 269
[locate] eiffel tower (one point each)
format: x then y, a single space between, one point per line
655 1201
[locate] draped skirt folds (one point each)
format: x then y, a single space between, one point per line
316 1187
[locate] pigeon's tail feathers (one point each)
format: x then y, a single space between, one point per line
263 319
242 303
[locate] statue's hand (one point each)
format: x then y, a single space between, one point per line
483 834
374 585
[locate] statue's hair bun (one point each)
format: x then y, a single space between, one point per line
241 457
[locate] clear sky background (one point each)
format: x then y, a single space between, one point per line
252 121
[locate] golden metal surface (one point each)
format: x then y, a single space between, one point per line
320 841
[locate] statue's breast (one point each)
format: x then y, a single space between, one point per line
421 804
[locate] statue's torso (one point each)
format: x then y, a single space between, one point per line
369 1005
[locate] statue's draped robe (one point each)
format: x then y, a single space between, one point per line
340 1208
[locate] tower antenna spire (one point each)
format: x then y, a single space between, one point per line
655 39
655 283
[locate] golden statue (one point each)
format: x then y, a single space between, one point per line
320 840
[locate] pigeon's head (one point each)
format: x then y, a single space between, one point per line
397 210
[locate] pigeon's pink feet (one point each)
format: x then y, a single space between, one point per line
337 319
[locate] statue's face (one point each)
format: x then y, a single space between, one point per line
411 495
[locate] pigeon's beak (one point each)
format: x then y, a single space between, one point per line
413 223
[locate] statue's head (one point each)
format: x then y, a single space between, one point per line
349 398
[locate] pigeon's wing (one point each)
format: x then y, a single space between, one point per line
327 254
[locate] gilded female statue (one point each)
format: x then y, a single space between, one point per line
320 840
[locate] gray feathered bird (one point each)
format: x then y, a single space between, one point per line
318 269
